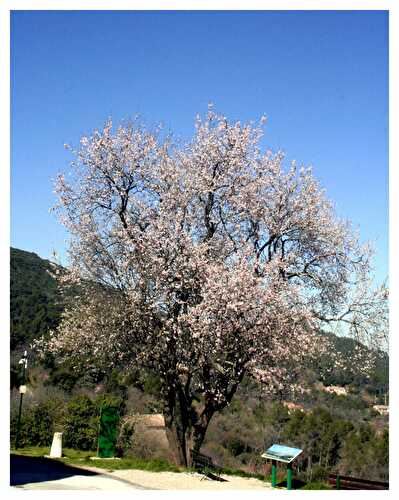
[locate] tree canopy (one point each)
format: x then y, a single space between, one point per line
205 262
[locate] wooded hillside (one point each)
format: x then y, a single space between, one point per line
34 307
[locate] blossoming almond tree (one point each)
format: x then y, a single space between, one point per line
204 263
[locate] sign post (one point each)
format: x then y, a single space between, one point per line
285 454
22 390
289 476
274 473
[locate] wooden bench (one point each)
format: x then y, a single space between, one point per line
204 464
353 483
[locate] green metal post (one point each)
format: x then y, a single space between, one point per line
274 474
338 482
289 476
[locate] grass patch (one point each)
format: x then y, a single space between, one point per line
78 457
155 465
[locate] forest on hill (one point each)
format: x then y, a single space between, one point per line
34 304
337 432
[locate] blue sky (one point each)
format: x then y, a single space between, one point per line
320 77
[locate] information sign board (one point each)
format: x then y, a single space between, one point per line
282 453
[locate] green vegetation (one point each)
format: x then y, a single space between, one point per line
77 419
376 383
34 300
358 447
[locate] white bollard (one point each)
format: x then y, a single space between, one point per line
56 447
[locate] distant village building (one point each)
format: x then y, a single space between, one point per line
381 409
293 406
336 389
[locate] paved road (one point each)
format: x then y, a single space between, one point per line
35 473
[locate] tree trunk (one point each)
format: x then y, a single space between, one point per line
185 425
186 430
178 422
183 439
177 441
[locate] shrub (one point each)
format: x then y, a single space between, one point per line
319 473
81 424
38 423
125 437
62 378
237 446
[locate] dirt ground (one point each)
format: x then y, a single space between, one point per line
186 481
